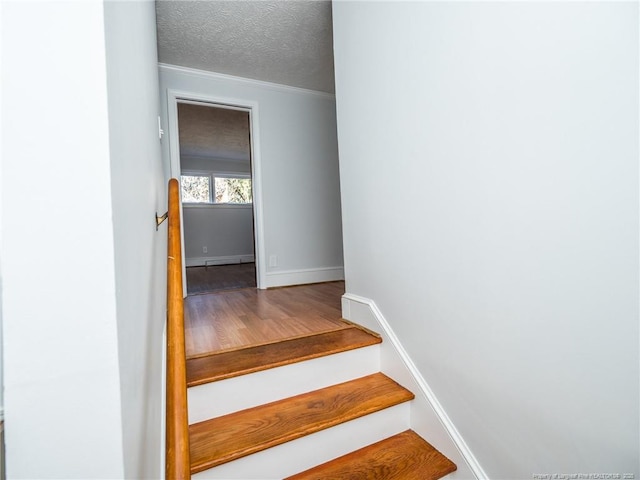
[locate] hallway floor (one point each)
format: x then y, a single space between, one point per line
231 320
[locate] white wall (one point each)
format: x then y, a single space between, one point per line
226 230
299 171
138 190
510 272
2 461
62 386
1 355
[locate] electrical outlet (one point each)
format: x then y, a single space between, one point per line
204 249
273 261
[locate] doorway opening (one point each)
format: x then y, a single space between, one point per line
215 168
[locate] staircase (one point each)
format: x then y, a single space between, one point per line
314 407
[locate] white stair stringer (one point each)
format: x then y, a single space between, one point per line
245 391
303 453
428 417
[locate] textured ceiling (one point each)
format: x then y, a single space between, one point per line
213 132
283 41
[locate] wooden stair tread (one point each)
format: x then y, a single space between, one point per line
405 456
252 359
238 434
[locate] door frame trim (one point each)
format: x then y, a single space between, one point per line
176 96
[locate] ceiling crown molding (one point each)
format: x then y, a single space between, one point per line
248 81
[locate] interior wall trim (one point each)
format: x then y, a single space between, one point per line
419 380
247 81
222 260
173 97
299 277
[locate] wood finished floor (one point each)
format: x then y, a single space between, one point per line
230 320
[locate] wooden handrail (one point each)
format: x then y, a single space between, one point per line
177 424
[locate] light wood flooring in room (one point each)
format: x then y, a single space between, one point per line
230 320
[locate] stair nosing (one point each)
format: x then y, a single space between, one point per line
364 455
346 326
371 340
313 426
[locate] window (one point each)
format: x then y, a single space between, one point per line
196 188
214 188
232 190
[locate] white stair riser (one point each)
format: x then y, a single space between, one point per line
298 455
238 393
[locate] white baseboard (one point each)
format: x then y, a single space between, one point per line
225 260
428 417
299 277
